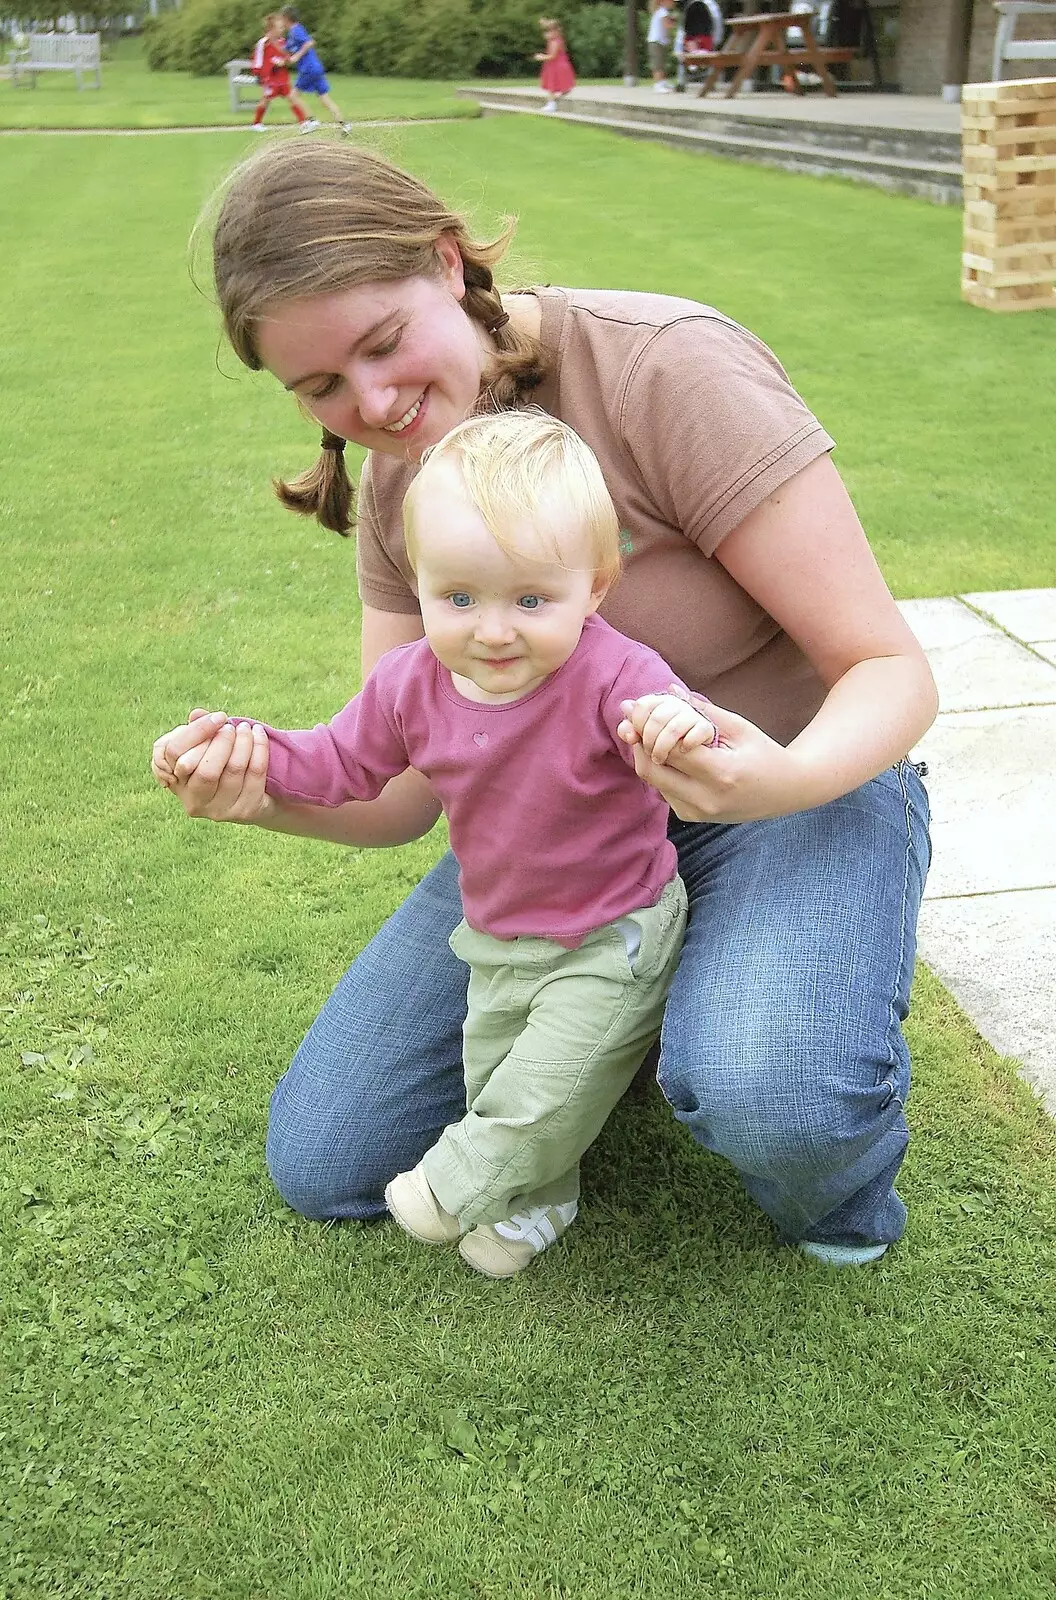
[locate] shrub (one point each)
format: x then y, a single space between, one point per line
203 34
596 39
396 38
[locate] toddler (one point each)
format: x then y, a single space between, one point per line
512 706
557 76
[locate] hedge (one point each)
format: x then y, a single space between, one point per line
396 38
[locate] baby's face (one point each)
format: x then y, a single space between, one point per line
501 624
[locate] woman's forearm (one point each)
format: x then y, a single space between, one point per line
405 810
870 719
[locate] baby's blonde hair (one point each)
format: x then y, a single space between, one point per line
527 467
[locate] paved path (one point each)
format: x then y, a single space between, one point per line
988 925
220 127
921 113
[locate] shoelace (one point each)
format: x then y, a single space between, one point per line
535 1227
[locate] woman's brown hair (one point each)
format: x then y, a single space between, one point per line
303 218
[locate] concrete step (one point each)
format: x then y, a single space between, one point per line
908 161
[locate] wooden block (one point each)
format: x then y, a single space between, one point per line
1008 205
1020 240
984 159
980 116
1028 113
1005 274
1029 137
990 278
1013 89
1027 299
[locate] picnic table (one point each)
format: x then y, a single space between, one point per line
760 41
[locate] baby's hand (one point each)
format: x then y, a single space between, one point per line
665 725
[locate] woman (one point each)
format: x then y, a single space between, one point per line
802 836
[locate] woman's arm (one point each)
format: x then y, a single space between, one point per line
803 556
228 783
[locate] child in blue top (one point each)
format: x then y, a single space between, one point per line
311 74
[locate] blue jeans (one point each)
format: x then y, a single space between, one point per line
781 1048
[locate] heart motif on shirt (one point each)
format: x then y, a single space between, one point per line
480 739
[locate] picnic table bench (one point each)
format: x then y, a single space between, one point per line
1009 48
759 41
239 74
57 52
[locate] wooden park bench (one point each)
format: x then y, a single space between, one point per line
239 74
57 52
1009 48
760 42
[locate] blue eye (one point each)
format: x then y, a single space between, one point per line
530 602
461 599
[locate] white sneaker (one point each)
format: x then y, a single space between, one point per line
663 87
258 127
308 125
551 105
502 1249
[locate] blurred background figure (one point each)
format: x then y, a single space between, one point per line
658 44
270 64
557 77
702 28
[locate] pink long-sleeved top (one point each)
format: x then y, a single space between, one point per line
554 832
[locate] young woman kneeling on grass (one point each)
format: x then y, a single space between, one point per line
801 834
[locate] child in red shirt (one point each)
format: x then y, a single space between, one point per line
270 63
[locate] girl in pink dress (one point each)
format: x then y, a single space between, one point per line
557 76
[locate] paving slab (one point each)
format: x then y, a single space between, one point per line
988 923
992 783
976 665
997 954
1029 614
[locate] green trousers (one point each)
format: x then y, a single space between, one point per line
552 1040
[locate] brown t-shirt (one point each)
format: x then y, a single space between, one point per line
694 423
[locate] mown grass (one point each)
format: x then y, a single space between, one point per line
131 96
207 1398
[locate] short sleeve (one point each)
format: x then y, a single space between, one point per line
382 583
714 426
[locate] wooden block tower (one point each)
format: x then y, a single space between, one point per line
1009 145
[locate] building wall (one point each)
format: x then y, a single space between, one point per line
923 29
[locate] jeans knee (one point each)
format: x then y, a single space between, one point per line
316 1182
789 1122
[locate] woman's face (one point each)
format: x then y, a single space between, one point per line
391 365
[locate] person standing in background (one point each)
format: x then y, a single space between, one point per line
658 42
557 77
311 74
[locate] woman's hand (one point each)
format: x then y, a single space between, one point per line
215 768
740 776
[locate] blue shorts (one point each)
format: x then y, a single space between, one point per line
313 83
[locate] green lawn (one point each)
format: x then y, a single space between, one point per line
133 97
205 1398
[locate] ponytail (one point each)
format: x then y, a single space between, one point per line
325 490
